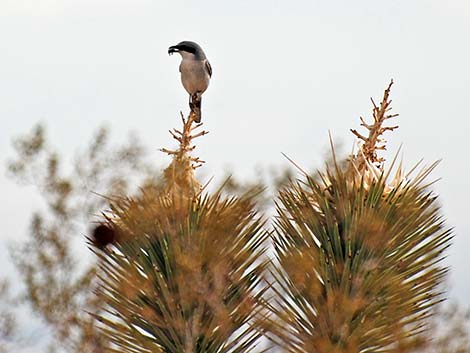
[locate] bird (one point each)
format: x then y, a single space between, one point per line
196 72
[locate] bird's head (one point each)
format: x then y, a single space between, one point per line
187 49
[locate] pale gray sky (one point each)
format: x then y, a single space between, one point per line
285 72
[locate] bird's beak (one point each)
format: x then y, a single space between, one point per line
173 49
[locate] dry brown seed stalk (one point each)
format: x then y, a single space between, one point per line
374 141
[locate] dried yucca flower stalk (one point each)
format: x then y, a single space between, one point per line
374 142
367 166
179 175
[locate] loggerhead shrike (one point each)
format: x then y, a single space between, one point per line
195 73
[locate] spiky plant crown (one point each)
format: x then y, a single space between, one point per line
184 273
358 256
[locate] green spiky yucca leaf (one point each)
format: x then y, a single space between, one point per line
185 275
358 263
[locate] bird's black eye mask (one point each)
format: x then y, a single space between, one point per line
186 48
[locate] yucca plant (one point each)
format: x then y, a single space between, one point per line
358 254
182 271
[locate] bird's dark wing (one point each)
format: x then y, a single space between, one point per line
208 68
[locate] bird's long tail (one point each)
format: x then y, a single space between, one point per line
195 106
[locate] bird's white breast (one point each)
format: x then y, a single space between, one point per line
194 75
